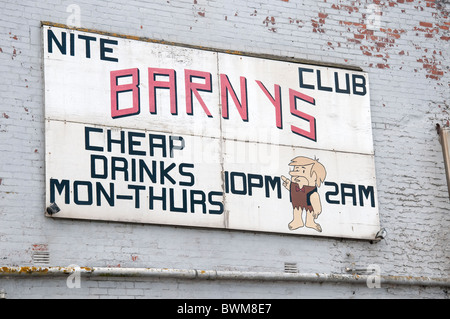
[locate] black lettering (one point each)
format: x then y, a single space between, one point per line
76 193
361 85
165 173
272 182
182 209
104 173
154 145
151 174
319 83
226 182
132 143
137 189
251 184
101 190
187 174
201 201
351 194
234 190
121 141
88 43
115 168
153 197
104 50
332 193
60 187
72 44
52 38
87 140
347 83
133 169
176 147
366 192
302 84
215 203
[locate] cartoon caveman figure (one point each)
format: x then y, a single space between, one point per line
307 175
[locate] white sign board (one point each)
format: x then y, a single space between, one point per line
146 132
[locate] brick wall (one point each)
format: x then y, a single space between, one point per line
403 45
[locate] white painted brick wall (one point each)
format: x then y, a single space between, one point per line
406 56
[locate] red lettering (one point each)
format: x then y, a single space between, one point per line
226 87
192 87
116 89
153 84
199 81
293 96
275 101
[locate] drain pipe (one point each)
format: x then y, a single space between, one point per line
223 275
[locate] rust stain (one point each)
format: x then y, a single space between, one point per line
39 247
432 66
14 37
296 21
268 20
24 270
318 23
32 270
347 8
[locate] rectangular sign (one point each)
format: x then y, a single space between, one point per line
146 132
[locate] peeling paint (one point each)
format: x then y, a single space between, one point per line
15 53
347 8
14 37
298 22
270 20
39 247
318 23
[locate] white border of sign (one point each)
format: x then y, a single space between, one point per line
146 132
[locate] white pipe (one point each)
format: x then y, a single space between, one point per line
444 139
223 275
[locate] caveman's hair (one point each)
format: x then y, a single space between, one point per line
317 167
